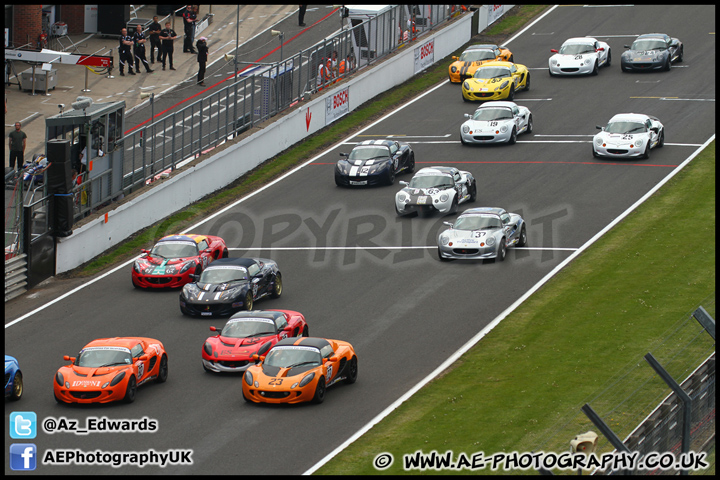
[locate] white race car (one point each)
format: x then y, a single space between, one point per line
629 135
580 56
496 122
436 189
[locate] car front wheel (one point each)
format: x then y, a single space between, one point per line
502 250
352 371
248 301
277 289
319 391
131 389
523 237
17 387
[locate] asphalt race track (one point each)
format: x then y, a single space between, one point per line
402 309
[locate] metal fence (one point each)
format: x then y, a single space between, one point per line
261 91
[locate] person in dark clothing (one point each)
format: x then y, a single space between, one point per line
154 34
301 15
139 39
189 19
17 140
202 54
126 42
166 37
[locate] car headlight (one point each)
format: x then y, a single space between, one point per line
444 239
208 348
187 266
553 63
598 141
248 378
307 379
504 128
401 197
453 69
59 379
638 142
588 61
116 380
490 241
502 85
466 85
465 129
444 197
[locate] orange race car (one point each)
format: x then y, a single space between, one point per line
110 369
299 370
474 56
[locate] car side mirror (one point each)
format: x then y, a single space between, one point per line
655 129
287 328
144 358
627 46
601 49
194 276
553 50
213 329
68 358
598 127
454 58
143 250
467 115
207 250
450 224
343 154
403 183
333 359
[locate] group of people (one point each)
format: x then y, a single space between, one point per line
132 47
330 70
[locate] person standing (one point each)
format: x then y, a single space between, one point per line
126 42
17 141
301 15
166 37
154 34
202 53
139 39
189 18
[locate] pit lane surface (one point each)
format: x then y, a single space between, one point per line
403 310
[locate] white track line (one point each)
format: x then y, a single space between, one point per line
470 343
233 205
396 247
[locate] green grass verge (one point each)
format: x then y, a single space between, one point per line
289 159
521 387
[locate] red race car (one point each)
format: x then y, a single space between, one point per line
173 258
249 333
110 369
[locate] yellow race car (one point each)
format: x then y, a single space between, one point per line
474 56
496 81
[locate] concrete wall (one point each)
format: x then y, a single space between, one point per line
222 168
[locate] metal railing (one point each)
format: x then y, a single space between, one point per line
261 91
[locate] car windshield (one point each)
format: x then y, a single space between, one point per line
175 249
431 181
477 222
223 274
369 152
103 357
249 327
577 48
477 55
625 127
293 356
488 114
645 45
492 72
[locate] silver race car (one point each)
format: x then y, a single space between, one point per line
436 189
496 122
580 56
629 135
480 233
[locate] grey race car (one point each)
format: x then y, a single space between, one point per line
436 189
651 52
482 233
